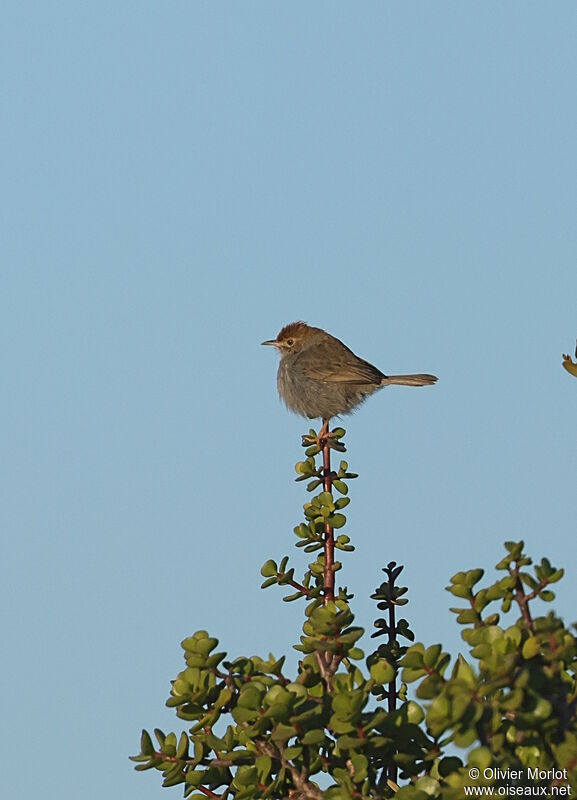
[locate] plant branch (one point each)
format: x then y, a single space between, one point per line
329 538
300 588
521 598
208 793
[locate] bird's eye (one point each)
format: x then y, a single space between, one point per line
290 342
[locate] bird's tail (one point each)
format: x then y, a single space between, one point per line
409 380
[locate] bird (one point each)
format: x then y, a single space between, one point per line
319 377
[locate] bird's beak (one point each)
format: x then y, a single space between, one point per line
273 342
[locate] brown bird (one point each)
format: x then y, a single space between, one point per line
320 377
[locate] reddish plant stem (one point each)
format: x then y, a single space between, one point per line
392 693
521 598
392 770
208 792
329 538
301 588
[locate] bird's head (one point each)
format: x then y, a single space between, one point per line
292 338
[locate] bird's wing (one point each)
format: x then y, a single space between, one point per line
339 365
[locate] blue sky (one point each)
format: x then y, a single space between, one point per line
180 179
